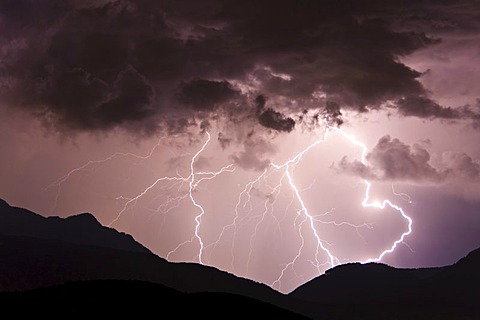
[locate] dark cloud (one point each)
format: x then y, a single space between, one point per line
276 121
70 93
130 99
393 160
473 112
146 65
77 100
333 114
423 107
272 119
205 95
16 16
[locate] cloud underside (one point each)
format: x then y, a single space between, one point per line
167 65
392 160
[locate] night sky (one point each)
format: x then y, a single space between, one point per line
258 137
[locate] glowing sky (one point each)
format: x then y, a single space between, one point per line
180 122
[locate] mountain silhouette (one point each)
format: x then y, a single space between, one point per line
132 298
79 229
374 290
39 252
78 264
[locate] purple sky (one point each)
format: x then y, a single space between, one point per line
182 123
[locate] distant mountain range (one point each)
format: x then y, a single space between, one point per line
77 265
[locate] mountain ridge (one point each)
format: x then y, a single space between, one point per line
51 252
82 228
48 251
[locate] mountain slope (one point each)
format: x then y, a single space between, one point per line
80 229
124 298
373 291
62 256
41 252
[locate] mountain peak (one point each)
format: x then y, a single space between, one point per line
81 228
85 217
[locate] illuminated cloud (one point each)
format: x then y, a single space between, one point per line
392 160
461 166
254 154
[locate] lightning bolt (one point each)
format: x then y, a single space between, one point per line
58 183
310 219
193 183
185 188
402 195
287 166
366 203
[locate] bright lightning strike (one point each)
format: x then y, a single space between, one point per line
306 222
366 203
193 182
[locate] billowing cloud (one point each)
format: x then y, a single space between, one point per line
200 94
461 166
333 114
147 65
393 160
254 155
423 107
272 119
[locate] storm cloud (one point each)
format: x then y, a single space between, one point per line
272 119
206 95
393 160
254 155
148 65
422 107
